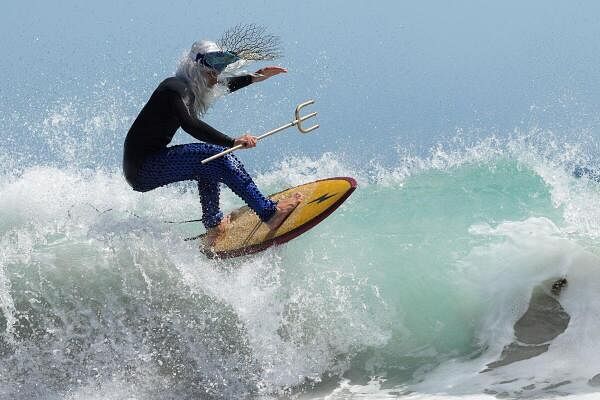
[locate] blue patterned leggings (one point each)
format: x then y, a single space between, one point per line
182 163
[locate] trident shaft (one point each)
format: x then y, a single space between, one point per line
297 122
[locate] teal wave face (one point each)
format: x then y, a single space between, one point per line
407 239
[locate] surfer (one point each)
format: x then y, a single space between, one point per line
178 102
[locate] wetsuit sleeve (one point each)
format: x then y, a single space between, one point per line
238 82
195 127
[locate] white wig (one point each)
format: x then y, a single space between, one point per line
250 42
192 72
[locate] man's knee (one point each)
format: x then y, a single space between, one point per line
231 162
214 149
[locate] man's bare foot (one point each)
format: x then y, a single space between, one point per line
284 208
213 234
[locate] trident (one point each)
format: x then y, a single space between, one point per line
298 122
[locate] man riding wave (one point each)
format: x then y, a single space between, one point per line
178 102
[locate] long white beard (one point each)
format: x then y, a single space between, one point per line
204 95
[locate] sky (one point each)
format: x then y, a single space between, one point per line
386 75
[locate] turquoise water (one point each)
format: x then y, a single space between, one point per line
463 124
412 286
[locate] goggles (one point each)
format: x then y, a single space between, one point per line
217 60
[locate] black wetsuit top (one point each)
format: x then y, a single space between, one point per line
167 110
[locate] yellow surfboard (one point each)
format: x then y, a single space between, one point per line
247 234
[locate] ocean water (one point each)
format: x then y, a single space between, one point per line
413 289
465 266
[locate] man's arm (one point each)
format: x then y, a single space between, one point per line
195 127
238 82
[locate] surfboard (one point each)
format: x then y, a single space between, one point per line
247 234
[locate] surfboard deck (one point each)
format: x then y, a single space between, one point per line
247 234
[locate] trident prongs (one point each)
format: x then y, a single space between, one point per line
298 122
304 118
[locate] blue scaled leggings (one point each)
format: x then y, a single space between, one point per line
182 163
